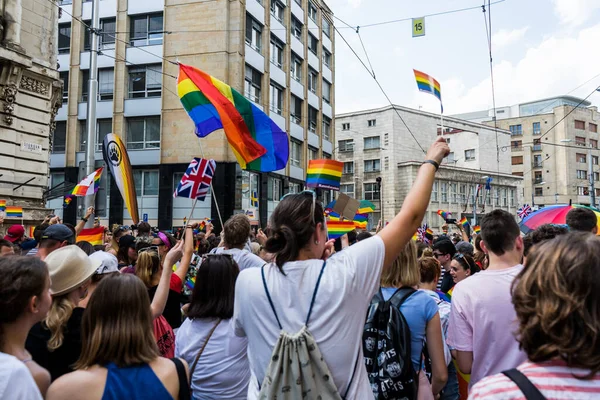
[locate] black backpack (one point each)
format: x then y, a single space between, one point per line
386 348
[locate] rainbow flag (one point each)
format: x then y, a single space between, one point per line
2 205
93 235
366 207
89 185
429 231
335 229
257 142
325 174
464 222
360 221
31 231
444 214
68 200
477 229
426 83
14 212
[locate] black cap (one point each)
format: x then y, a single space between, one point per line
58 232
127 241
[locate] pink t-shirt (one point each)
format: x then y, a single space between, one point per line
483 320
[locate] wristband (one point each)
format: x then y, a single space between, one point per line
84 219
432 162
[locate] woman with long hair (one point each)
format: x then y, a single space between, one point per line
24 301
462 266
557 300
200 340
120 359
127 254
336 290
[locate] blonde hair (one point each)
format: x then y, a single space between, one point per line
148 264
405 270
57 318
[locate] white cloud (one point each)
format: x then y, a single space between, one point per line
505 37
575 12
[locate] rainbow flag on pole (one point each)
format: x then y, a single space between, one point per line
14 212
95 236
444 214
257 142
89 185
325 174
464 222
335 229
2 205
427 83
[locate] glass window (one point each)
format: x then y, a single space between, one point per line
470 155
312 153
277 10
579 124
253 33
515 130
277 51
105 84
296 28
434 191
326 58
252 85
348 167
296 67
326 92
276 99
326 27
312 119
312 11
581 158
59 138
64 38
313 44
346 145
453 195
516 145
346 126
85 84
347 189
326 131
146 182
581 174
444 192
145 81
143 133
537 160
595 160
593 127
537 130
296 153
296 110
64 76
450 157
372 165
146 29
371 191
103 127
582 191
371 123
593 143
372 142
108 26
580 141
539 191
312 80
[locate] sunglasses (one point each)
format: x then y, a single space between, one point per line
438 254
460 257
149 248
314 201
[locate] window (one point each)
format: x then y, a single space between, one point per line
313 44
105 84
326 88
346 126
593 127
504 197
277 10
276 99
581 174
348 167
581 158
596 176
146 29
326 131
326 25
537 129
64 38
517 173
386 139
450 157
515 130
296 28
326 156
537 145
312 153
372 165
312 11
434 191
595 160
347 189
579 124
252 84
253 33
516 145
296 110
108 26
277 51
346 145
326 58
537 161
444 191
371 123
453 195
372 142
513 199
539 191
59 138
517 160
296 154
274 189
312 80
103 127
296 67
537 177
143 133
583 191
580 141
312 119
593 143
470 155
371 191
146 182
64 76
145 81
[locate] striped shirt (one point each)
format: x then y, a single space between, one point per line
439 283
553 378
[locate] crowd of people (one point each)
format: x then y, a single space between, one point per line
289 314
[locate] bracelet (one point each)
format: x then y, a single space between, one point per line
432 162
84 219
189 226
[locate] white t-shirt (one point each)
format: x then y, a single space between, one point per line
349 281
483 320
243 258
16 382
222 371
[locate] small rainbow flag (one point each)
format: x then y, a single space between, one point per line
68 200
464 222
2 205
426 83
14 212
477 229
88 185
190 282
95 236
325 174
31 231
444 214
335 229
429 231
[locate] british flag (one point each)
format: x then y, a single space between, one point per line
196 180
524 211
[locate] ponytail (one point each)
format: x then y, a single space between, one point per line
147 265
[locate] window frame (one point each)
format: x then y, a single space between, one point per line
145 144
326 128
346 145
275 90
296 104
312 11
296 159
536 128
372 165
276 9
296 28
326 56
252 84
372 143
313 44
313 117
296 67
149 37
371 123
468 157
155 90
326 27
344 188
313 76
276 48
371 192
516 130
350 169
326 91
64 49
255 30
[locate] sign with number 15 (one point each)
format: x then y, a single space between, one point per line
418 27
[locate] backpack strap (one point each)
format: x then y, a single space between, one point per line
314 296
525 385
203 346
184 387
401 295
262 272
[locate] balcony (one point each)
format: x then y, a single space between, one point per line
537 181
257 10
537 164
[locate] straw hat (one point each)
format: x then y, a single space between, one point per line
69 267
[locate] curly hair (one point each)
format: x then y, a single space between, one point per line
557 300
56 321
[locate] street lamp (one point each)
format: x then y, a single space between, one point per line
378 180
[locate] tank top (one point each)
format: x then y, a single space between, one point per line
135 382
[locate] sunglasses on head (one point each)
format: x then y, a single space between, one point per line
460 257
314 201
149 248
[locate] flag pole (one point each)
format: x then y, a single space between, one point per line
192 212
442 120
211 188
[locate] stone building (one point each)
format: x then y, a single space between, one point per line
278 53
30 95
377 144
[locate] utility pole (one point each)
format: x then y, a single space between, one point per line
91 104
591 175
475 204
378 180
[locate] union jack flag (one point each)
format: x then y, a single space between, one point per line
524 211
196 180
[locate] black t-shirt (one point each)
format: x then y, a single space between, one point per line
172 312
61 360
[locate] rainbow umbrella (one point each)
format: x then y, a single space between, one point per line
554 214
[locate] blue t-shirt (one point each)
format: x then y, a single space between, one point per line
418 309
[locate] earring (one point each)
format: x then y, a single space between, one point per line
316 242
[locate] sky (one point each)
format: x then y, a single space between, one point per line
540 48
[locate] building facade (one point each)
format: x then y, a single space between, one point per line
381 160
278 53
30 95
552 142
